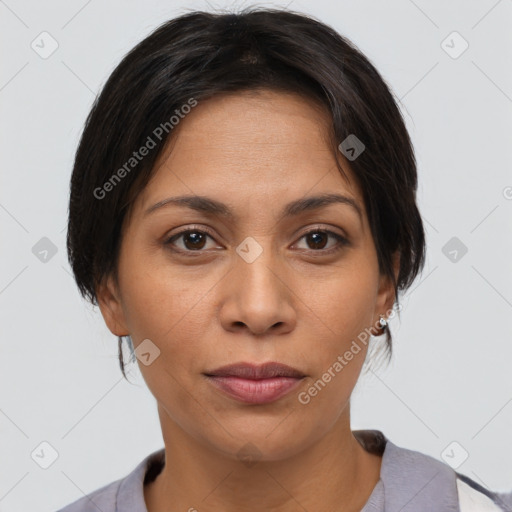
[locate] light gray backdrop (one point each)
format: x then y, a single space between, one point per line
447 393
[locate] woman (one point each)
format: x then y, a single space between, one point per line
243 212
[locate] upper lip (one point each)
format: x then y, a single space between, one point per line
254 371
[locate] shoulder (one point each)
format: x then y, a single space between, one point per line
475 498
103 499
123 493
413 481
465 493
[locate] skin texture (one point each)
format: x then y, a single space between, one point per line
294 304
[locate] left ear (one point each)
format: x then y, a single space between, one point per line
386 293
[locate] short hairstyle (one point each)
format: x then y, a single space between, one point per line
199 55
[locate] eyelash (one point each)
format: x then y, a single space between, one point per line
342 241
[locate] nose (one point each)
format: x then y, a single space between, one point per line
258 296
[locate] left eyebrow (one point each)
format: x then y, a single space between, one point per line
211 206
321 201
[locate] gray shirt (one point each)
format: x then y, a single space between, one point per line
409 482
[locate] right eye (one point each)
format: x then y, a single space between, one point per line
193 240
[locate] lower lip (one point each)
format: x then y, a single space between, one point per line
250 391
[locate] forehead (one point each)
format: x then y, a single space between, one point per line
251 146
256 120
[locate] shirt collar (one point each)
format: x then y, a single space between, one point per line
410 481
130 495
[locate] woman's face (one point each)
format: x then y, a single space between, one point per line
252 286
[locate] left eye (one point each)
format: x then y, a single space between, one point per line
318 238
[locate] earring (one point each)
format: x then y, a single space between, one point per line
383 324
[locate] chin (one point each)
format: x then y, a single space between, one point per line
269 440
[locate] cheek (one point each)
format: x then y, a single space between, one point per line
159 298
345 303
169 310
172 307
345 307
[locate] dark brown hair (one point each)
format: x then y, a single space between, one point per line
199 55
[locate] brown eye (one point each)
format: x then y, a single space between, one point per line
195 239
318 239
192 240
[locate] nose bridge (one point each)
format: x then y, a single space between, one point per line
256 266
256 295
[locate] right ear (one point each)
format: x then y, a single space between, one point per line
109 302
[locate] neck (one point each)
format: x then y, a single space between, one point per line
336 473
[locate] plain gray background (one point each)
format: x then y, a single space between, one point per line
450 378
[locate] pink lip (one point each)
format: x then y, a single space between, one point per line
255 384
253 391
